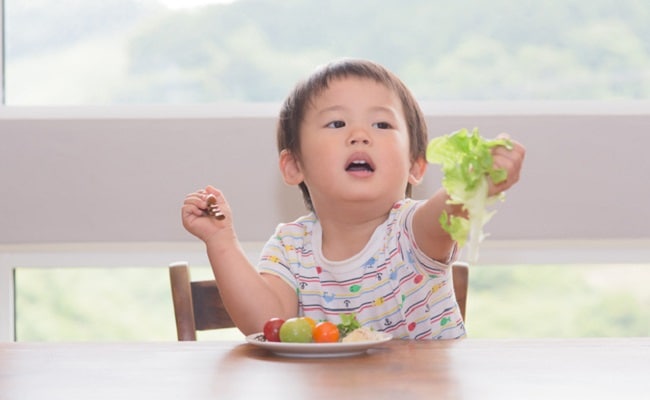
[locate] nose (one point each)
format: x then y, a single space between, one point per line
355 141
359 136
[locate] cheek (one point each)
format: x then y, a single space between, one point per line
398 153
316 162
320 151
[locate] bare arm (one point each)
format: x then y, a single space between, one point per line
429 235
250 298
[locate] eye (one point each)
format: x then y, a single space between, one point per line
382 125
335 124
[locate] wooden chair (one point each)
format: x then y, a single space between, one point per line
198 306
460 278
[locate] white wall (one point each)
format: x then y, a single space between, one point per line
92 187
76 176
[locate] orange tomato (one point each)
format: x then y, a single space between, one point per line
325 332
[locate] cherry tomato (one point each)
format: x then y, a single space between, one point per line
272 329
326 332
311 321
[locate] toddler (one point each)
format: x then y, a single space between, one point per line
353 138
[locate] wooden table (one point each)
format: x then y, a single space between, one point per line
465 369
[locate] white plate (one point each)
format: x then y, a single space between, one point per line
312 350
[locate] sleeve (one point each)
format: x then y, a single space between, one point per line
274 259
422 260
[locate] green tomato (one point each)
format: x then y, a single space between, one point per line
296 330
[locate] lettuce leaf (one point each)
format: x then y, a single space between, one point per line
466 162
348 323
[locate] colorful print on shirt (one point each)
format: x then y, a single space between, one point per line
391 285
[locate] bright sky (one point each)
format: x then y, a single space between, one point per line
177 4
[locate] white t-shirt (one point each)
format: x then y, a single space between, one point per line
391 286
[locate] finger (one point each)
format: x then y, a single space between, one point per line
213 190
517 148
191 209
207 201
218 195
516 153
195 203
203 193
196 199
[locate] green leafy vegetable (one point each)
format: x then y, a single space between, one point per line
348 324
466 160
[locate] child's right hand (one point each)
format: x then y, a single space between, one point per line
198 221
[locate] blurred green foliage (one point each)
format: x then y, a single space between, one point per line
559 301
116 304
255 51
93 304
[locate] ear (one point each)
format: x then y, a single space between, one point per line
418 168
290 168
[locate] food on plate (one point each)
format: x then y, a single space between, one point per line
311 321
296 330
348 323
272 329
326 332
307 330
362 334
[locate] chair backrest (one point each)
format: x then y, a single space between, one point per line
198 305
460 277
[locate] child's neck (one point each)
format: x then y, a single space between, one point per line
345 237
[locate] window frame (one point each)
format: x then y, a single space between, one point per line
2 53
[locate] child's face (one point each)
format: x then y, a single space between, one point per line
355 145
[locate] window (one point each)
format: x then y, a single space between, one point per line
568 300
127 52
564 300
104 52
99 304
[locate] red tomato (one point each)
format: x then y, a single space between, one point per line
326 332
272 329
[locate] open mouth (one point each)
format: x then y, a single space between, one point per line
360 165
